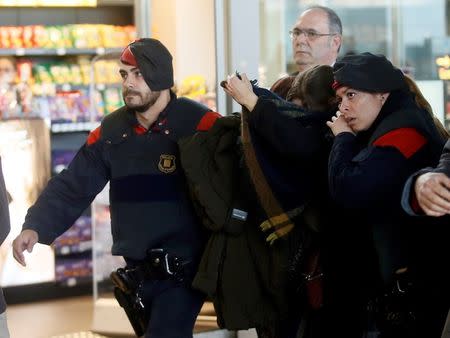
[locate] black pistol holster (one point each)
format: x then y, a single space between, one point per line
158 265
126 292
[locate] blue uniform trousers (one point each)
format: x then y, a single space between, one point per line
173 308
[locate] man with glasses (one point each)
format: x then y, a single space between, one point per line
316 37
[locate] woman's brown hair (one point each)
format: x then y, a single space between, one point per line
422 102
314 88
282 86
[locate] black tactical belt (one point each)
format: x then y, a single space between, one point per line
159 264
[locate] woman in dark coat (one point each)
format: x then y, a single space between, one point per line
250 199
382 136
285 155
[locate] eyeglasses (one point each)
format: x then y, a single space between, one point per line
310 34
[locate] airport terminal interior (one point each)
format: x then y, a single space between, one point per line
65 56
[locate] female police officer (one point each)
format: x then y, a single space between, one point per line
382 135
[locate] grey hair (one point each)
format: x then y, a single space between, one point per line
334 22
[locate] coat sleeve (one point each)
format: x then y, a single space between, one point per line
408 195
68 194
444 162
373 176
285 133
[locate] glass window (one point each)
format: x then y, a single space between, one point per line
398 29
424 37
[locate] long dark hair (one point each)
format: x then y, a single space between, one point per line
281 86
313 87
422 102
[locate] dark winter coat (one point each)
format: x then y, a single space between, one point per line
236 253
367 173
245 276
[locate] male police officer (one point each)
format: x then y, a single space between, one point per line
153 224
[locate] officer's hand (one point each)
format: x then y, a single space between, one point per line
25 241
433 193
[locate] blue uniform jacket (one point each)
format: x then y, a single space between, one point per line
148 199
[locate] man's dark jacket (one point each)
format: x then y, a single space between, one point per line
148 197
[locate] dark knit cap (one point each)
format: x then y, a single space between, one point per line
153 60
368 72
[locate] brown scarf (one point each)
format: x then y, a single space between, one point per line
279 220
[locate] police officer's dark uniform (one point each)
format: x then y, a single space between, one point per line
367 172
151 215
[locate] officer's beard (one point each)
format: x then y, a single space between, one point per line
148 100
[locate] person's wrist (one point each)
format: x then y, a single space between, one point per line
251 102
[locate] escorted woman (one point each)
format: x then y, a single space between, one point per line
257 179
382 136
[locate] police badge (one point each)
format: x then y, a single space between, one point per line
167 163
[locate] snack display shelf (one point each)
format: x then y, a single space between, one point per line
65 127
55 51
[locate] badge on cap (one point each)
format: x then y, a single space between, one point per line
167 163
